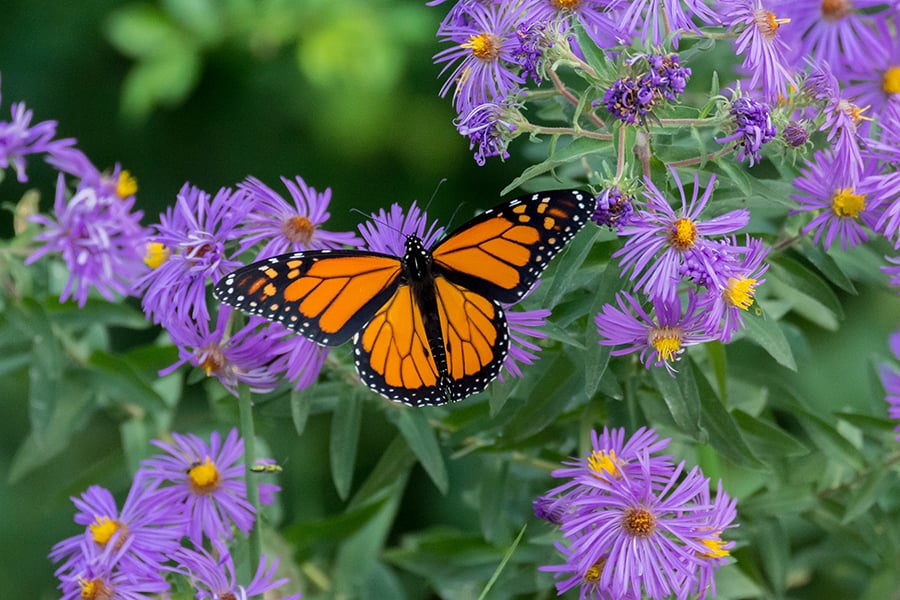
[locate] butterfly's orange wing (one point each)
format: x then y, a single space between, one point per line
393 354
326 295
501 252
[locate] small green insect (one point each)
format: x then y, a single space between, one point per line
263 466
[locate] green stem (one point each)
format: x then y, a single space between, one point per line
564 91
699 159
540 129
248 433
682 122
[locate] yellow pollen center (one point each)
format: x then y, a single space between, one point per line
213 360
298 229
739 292
603 463
666 341
102 529
853 111
845 203
204 476
95 589
157 254
639 522
767 23
835 10
565 4
890 83
126 186
715 546
485 46
592 576
683 234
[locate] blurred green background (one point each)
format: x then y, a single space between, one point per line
343 94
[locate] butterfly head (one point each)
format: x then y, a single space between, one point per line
416 259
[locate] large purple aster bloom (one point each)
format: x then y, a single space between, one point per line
284 226
188 251
876 81
215 579
653 20
137 538
659 240
660 339
482 57
202 485
98 236
96 580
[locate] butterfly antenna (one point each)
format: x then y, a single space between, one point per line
434 193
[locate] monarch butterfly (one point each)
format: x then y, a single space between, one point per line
428 327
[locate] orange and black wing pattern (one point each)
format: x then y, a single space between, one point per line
501 252
393 353
326 295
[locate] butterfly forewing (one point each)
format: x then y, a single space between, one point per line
501 252
325 295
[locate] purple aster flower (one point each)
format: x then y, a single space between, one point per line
136 539
795 134
642 532
524 325
490 127
386 232
764 50
99 581
834 31
483 53
597 17
206 489
724 306
214 578
845 203
98 236
285 227
876 80
654 20
667 75
614 209
300 359
660 339
659 240
19 138
630 100
243 356
188 251
587 580
534 41
721 516
884 188
752 128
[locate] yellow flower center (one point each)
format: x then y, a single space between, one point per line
298 229
639 522
95 589
666 341
204 476
835 10
845 203
853 111
126 186
683 234
157 254
485 46
715 546
767 23
890 83
739 292
102 529
592 575
213 360
565 4
601 462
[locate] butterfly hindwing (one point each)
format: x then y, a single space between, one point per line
326 295
501 252
393 354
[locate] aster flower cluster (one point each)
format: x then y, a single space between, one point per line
178 518
697 278
634 524
631 98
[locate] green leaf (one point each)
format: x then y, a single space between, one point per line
681 397
831 442
828 267
345 426
141 31
570 153
118 379
736 174
502 565
767 440
597 355
492 496
722 431
774 550
796 280
873 486
332 530
784 501
301 403
768 335
165 80
546 399
566 264
394 465
94 312
416 430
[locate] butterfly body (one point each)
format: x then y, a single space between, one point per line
428 327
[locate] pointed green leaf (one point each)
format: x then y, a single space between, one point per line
345 425
579 148
120 381
416 430
492 496
681 397
722 431
301 403
506 556
798 279
866 493
767 334
828 267
767 440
